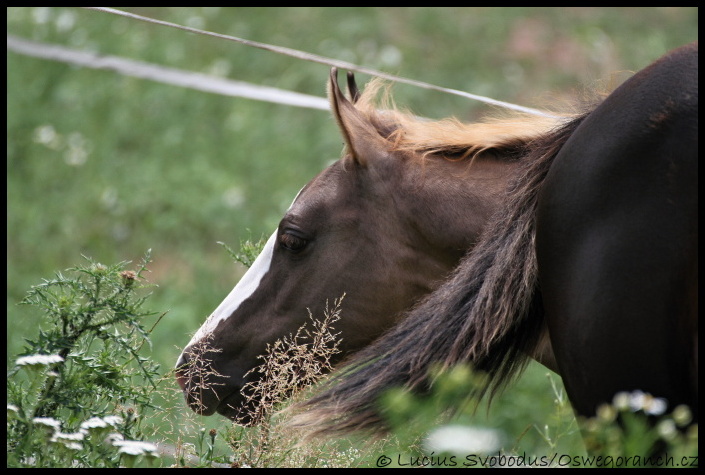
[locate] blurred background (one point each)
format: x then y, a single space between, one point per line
108 166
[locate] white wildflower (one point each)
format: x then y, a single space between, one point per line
682 415
114 438
641 401
66 443
69 441
135 447
75 436
38 360
94 423
461 439
113 420
655 406
606 412
621 401
667 429
48 422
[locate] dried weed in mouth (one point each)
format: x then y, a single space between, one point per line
199 373
292 363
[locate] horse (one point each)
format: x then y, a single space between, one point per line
384 225
570 240
596 242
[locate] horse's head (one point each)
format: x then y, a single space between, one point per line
359 228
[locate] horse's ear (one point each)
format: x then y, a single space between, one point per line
352 88
362 139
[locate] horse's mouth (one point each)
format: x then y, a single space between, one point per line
199 405
234 405
237 409
206 402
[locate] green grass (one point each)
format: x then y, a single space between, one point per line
109 166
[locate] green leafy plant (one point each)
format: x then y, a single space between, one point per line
249 250
625 432
77 392
441 429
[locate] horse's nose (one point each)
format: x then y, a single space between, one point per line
181 366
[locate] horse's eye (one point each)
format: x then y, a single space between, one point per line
292 242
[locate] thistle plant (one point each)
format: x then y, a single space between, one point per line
82 379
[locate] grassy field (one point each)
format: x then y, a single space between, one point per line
109 166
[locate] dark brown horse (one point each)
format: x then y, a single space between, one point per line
590 257
384 225
598 241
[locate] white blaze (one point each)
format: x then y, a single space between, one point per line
242 291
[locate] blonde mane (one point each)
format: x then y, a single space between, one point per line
450 136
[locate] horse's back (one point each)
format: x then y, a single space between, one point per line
617 231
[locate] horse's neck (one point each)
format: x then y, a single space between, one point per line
450 204
451 201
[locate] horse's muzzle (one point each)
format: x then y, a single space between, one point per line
207 392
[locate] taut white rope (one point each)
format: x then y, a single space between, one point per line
327 61
177 77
